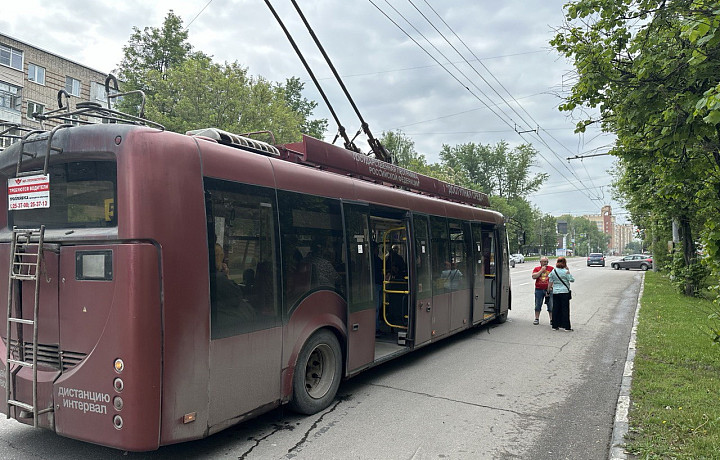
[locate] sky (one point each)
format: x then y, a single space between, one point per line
488 75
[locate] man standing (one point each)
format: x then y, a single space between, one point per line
540 275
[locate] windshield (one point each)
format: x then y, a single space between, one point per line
82 195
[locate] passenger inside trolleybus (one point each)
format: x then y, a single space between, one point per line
396 286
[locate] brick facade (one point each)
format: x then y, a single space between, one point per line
56 70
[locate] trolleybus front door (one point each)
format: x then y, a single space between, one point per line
362 293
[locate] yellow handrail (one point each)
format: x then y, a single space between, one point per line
385 291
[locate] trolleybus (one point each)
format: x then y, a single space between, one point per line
161 286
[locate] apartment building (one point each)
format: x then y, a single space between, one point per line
30 79
620 234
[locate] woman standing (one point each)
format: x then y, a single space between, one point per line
559 282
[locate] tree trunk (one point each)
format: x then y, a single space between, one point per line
688 254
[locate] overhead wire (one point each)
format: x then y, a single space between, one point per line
572 172
437 61
377 148
536 123
341 129
464 58
197 15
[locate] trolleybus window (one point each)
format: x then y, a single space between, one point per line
312 241
243 252
459 268
82 195
440 254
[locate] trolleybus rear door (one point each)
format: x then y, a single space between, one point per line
491 271
478 274
503 282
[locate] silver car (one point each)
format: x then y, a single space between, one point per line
641 261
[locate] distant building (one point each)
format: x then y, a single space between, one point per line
620 234
30 79
623 235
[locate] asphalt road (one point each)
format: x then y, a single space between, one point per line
501 392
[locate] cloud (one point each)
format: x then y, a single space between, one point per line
394 83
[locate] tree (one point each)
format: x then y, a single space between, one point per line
154 49
186 90
588 238
403 153
495 170
651 67
545 234
521 216
199 93
293 96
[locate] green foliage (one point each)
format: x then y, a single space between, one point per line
685 276
402 150
633 247
153 49
496 170
651 68
293 96
521 218
586 234
469 165
186 90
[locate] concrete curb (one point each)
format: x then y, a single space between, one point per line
621 424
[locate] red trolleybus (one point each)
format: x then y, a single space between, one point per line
162 287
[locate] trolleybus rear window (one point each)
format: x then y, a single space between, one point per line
82 195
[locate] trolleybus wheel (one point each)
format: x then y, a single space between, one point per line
317 373
501 318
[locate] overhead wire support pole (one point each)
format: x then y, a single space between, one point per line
375 145
341 129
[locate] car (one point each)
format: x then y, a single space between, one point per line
512 262
596 258
641 261
519 258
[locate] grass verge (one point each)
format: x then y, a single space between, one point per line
675 393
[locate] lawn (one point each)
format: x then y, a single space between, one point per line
675 393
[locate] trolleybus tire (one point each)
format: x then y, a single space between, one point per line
317 373
501 318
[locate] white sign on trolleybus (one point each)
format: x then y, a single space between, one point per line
29 192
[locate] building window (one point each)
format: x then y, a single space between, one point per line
97 92
36 74
10 96
72 86
9 138
34 107
11 57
